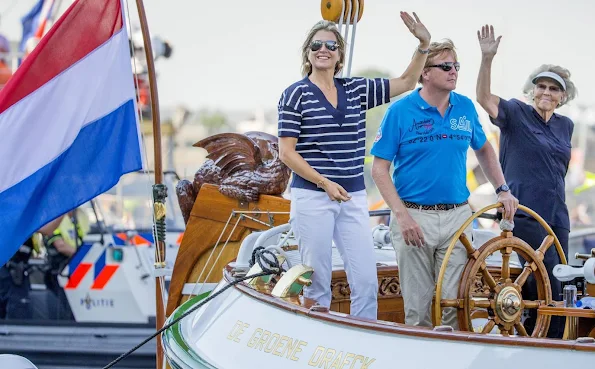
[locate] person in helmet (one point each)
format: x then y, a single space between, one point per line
61 244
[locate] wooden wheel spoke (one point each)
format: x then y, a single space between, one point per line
520 328
488 327
522 278
482 304
452 303
506 252
468 246
545 244
529 304
487 276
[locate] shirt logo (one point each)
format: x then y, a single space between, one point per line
378 136
461 125
422 127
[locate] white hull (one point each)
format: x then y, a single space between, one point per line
239 330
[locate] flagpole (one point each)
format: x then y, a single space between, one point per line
159 191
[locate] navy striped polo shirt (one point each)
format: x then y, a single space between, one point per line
332 140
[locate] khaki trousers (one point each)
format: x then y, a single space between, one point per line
419 267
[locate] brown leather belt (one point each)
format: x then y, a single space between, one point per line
412 205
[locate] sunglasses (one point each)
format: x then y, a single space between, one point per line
447 66
317 45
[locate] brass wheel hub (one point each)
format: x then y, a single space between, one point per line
508 304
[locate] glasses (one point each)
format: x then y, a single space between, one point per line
317 45
447 66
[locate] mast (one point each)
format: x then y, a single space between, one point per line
159 189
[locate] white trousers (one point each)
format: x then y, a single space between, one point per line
316 222
419 267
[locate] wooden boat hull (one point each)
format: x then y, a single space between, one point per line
245 328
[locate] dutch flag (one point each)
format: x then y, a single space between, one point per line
69 127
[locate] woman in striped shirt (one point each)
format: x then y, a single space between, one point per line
322 130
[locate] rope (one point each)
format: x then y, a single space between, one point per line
268 267
260 251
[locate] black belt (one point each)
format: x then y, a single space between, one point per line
412 205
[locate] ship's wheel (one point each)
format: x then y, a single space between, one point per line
504 303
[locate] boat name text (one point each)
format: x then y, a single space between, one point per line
290 348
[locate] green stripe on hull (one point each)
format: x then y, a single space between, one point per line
172 337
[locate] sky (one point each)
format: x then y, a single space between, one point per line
239 54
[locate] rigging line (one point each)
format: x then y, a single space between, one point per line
352 46
212 252
233 214
240 218
257 220
342 16
347 22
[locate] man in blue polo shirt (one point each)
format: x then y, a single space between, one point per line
426 135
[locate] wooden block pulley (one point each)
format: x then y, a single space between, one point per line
331 10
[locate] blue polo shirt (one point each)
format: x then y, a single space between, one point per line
428 151
535 156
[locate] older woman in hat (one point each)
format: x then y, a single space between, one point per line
534 152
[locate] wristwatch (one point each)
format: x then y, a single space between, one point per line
503 188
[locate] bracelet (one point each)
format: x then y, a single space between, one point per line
421 51
320 183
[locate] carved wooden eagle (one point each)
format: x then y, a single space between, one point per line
242 165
